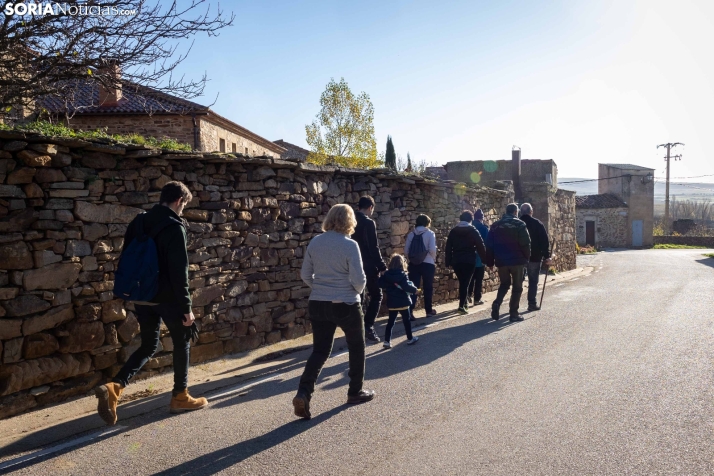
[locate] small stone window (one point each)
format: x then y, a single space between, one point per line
222 145
246 151
233 148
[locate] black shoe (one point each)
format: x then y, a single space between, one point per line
363 396
370 335
516 318
495 315
302 406
533 307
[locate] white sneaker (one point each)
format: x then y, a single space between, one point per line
387 345
413 340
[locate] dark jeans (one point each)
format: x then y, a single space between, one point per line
393 318
375 298
149 318
464 271
533 277
476 286
510 275
326 316
426 272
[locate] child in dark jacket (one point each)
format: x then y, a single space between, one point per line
399 292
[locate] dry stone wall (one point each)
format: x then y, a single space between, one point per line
64 208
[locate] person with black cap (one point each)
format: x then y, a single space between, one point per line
476 286
508 246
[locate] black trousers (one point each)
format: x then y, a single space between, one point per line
533 278
326 317
426 272
464 271
476 286
510 275
373 292
149 318
406 315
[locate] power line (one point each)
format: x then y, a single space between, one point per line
599 179
688 185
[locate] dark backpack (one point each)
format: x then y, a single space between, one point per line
137 276
417 250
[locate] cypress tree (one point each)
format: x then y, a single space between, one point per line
409 163
390 158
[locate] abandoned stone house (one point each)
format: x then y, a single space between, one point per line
153 113
601 220
622 213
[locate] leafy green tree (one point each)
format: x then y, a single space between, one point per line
390 158
343 130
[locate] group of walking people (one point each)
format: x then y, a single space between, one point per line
346 273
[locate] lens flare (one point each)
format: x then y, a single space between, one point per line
475 177
490 166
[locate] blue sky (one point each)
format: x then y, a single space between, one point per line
578 82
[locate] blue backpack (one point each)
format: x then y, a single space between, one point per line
137 276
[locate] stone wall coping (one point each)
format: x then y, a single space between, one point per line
110 146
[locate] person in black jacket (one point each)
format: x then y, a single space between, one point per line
366 237
540 253
399 291
508 246
463 245
172 304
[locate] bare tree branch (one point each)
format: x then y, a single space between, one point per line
59 54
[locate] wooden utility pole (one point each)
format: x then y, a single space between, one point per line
669 146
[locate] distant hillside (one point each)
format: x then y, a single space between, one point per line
690 191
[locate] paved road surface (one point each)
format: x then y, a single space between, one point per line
614 376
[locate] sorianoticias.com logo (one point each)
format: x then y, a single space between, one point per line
54 8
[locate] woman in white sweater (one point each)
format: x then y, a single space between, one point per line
332 267
422 261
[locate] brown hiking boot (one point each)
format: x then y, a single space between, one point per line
183 402
108 396
301 404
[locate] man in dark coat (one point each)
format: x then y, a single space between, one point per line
172 304
366 237
508 246
464 246
540 253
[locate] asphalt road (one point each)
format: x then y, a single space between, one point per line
613 376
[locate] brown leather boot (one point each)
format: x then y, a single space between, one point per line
108 396
183 402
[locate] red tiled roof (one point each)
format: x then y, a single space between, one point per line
135 100
604 200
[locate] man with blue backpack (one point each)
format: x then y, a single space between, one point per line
153 275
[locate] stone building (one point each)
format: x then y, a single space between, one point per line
154 113
535 182
487 172
625 199
64 208
292 151
601 221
